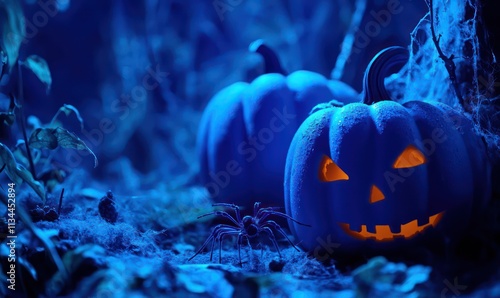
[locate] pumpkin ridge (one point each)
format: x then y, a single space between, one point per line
467 131
365 140
429 115
381 113
264 144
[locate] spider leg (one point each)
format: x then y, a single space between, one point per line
217 232
240 237
221 236
280 230
213 234
221 213
202 247
233 206
213 244
273 238
248 241
259 213
212 249
256 207
266 213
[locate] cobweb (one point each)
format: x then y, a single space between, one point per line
460 30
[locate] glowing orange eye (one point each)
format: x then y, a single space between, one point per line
376 194
411 157
329 171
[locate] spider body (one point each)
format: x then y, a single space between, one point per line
248 227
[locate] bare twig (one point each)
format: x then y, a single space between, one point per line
3 60
349 38
448 61
60 202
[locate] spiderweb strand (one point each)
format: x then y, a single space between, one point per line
461 33
448 61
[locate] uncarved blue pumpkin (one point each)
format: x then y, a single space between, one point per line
246 129
377 176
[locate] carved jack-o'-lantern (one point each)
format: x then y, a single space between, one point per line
329 171
377 175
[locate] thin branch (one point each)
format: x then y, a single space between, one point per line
23 122
3 60
448 61
349 39
60 202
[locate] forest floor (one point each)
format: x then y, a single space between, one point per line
146 253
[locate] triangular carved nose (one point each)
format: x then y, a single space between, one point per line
376 194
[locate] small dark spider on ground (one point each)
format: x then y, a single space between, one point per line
247 227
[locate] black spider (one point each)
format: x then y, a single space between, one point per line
246 227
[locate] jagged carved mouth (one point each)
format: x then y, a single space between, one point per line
384 233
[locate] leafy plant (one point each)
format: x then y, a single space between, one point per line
13 30
9 117
67 110
17 173
41 235
51 138
40 68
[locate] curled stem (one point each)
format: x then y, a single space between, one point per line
272 62
385 63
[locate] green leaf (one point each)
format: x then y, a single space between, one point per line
19 152
67 110
51 138
17 173
40 68
13 29
43 138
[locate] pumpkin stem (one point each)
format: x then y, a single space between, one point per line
271 61
385 63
